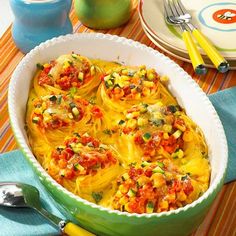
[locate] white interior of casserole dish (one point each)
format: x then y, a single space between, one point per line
114 48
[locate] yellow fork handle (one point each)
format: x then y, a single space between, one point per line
72 229
195 56
220 63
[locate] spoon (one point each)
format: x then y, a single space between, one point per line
24 195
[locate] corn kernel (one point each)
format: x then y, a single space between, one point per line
142 121
167 128
132 123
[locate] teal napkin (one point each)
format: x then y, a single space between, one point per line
22 221
13 167
225 104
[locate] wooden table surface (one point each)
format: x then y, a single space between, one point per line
221 219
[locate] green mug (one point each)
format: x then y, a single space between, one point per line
103 14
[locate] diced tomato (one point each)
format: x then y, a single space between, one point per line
187 187
44 79
97 112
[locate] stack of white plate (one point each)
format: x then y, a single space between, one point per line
216 19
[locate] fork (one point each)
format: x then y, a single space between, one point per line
182 14
172 18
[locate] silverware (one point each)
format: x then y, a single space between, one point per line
172 18
181 14
23 195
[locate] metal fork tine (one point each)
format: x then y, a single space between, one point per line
172 8
177 7
167 9
183 9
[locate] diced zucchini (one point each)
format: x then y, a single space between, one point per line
108 83
121 122
178 154
160 164
125 176
75 56
143 108
108 77
131 193
81 76
62 173
75 111
150 207
73 91
177 134
145 163
40 66
35 120
158 169
150 76
72 105
77 166
66 64
147 137
52 98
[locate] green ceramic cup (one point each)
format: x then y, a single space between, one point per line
103 14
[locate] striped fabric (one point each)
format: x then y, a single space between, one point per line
221 220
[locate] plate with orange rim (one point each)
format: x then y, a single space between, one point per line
182 55
216 19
